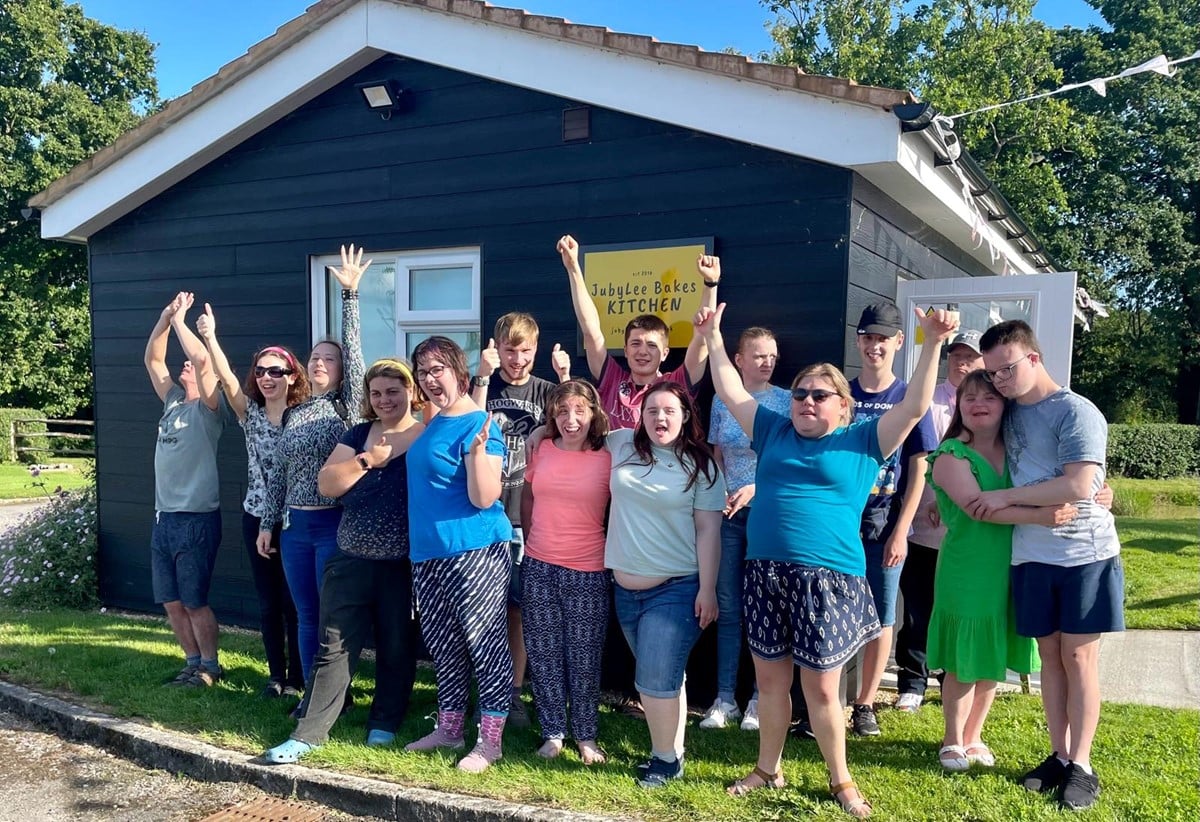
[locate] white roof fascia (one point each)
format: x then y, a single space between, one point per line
936 196
824 129
265 94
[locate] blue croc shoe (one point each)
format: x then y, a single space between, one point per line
377 738
287 752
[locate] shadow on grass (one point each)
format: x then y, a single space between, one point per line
1159 536
1162 602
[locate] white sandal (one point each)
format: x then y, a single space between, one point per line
958 762
984 759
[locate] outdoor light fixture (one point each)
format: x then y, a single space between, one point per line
914 116
385 97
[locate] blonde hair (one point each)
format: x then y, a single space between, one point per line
516 327
395 369
834 376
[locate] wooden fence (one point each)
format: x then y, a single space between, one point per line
56 443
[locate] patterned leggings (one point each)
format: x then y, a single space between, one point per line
565 614
464 623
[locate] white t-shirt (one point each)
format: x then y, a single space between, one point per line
651 530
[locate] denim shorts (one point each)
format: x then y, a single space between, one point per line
660 626
183 551
819 616
884 582
1082 599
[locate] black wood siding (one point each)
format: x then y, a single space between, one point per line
475 163
888 244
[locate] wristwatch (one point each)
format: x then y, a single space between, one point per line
361 459
480 382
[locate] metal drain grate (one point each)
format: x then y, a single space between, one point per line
268 810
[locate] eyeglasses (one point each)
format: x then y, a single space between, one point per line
1006 372
819 395
436 372
272 371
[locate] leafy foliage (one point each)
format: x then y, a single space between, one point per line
1153 451
69 86
1110 184
48 560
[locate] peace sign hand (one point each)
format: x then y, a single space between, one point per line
479 442
352 268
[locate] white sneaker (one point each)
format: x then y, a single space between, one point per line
750 718
719 714
909 703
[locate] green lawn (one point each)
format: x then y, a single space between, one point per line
1147 757
1159 523
16 482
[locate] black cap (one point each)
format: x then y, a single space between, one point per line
880 318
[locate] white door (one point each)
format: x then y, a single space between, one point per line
1045 301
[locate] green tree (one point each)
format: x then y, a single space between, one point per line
69 86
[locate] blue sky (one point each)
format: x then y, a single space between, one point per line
197 37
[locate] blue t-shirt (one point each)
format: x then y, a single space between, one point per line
810 493
879 515
725 433
442 520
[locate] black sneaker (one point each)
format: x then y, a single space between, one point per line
518 715
802 728
1046 776
863 721
658 772
1079 789
272 690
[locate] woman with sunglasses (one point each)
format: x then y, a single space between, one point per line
806 597
367 587
274 384
311 431
458 543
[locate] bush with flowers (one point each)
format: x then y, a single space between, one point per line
48 559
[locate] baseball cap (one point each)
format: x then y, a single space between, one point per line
968 337
880 318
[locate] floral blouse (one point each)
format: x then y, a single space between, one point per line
262 456
312 429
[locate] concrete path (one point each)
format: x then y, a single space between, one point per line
1151 668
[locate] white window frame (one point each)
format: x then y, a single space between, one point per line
408 321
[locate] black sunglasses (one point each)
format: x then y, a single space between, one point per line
272 371
819 395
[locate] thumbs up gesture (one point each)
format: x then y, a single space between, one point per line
489 359
561 361
206 324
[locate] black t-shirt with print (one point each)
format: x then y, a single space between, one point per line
518 409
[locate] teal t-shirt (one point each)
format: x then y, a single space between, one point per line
811 492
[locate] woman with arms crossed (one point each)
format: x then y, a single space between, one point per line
806 597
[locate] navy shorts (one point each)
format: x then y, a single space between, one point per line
183 551
884 582
1082 599
818 616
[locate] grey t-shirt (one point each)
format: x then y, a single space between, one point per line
185 457
651 530
1039 440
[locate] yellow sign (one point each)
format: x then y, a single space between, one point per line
626 282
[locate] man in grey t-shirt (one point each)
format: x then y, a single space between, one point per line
187 518
1068 584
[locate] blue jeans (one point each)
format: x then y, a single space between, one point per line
729 601
306 544
660 626
884 582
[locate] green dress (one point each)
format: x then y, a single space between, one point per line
972 633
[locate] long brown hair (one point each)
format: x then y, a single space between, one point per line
587 392
975 380
691 446
298 391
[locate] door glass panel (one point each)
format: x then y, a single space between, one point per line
376 310
439 289
980 316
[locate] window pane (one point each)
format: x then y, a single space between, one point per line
439 289
468 340
376 307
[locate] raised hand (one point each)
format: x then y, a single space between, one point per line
169 310
183 304
206 324
489 359
708 322
351 269
561 361
709 267
939 324
479 441
568 249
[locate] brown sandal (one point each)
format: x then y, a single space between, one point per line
771 781
859 808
